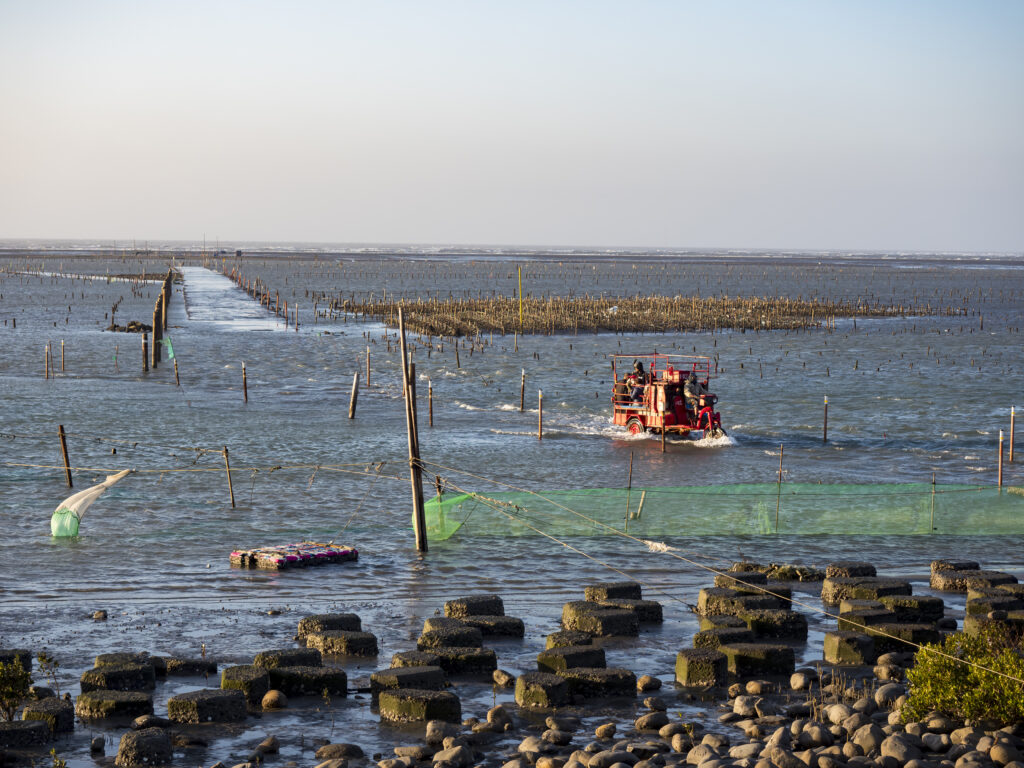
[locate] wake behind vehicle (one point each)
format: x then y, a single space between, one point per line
664 393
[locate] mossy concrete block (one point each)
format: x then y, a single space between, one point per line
845 647
20 655
716 636
719 600
327 622
442 622
424 678
647 611
59 715
208 705
557 660
415 659
251 680
975 623
148 747
838 588
302 680
119 677
477 605
343 642
462 637
181 666
721 620
413 705
540 689
852 604
288 657
467 661
612 590
568 637
591 617
497 626
733 579
1015 589
849 568
98 704
954 565
701 666
984 605
855 621
23 734
895 637
776 623
600 682
759 659
128 657
916 609
962 580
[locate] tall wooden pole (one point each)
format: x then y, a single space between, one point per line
354 397
145 352
227 468
64 454
540 414
1000 458
522 391
824 425
419 519
367 366
245 385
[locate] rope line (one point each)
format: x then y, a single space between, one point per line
716 571
327 467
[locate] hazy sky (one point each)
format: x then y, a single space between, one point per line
889 125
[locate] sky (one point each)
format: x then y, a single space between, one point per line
890 125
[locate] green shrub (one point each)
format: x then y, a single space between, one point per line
14 685
950 684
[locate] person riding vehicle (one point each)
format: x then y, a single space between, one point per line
692 392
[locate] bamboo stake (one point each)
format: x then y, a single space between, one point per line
522 391
245 385
354 397
177 381
46 362
1013 413
1000 482
367 366
415 469
824 425
227 468
62 355
64 454
540 414
629 488
430 400
457 363
145 352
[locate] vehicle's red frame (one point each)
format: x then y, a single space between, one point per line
662 406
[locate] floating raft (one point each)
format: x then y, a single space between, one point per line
293 556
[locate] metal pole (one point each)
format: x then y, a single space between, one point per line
64 454
824 426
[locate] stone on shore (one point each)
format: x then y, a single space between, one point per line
105 703
612 590
208 705
916 609
719 600
415 659
846 647
21 734
467 661
288 657
460 637
701 667
556 660
599 682
58 714
343 642
477 605
962 580
497 626
540 689
251 680
150 746
326 622
591 617
776 623
897 637
647 611
408 705
309 681
849 568
425 678
567 637
119 677
181 666
838 588
712 638
759 659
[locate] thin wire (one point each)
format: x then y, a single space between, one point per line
328 468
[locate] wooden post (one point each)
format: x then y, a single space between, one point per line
245 385
663 430
540 414
522 391
415 469
457 363
367 366
1000 482
824 425
354 397
62 355
227 468
430 400
46 361
64 454
157 333
778 495
177 381
145 352
1013 413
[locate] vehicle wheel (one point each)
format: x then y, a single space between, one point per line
634 426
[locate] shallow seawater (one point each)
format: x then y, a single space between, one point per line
908 397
